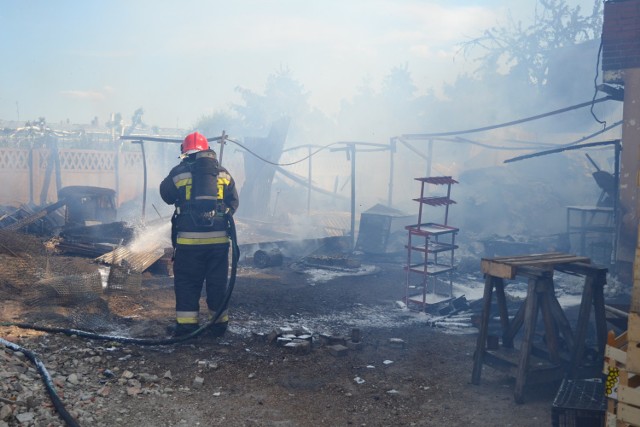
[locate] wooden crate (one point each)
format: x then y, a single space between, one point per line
622 386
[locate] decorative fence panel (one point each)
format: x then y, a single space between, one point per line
33 176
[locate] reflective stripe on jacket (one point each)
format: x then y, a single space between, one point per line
202 237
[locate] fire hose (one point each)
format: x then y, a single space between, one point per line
46 378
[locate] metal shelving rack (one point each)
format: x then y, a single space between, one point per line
431 247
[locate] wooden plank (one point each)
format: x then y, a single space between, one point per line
497 270
629 414
612 420
506 267
553 261
615 354
581 268
529 257
633 328
619 341
633 357
629 395
635 297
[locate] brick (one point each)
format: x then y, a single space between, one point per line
338 339
282 341
337 350
298 347
198 382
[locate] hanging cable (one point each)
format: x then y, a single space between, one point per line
324 147
501 125
595 88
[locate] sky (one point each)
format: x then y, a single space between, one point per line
76 59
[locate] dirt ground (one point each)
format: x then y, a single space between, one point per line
243 380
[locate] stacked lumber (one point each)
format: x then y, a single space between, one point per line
622 364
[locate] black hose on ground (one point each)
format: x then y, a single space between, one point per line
235 257
46 378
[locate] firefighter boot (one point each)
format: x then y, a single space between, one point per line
219 328
182 329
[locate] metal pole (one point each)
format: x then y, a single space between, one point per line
144 191
429 156
392 150
222 141
309 183
144 173
353 193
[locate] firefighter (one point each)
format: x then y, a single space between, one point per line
203 193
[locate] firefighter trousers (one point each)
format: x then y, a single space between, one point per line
194 265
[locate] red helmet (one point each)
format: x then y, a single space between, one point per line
193 143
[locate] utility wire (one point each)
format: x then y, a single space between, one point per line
501 125
410 136
595 88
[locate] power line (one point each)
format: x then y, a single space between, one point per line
501 125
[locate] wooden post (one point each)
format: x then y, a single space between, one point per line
481 344
504 312
530 317
583 322
551 333
629 171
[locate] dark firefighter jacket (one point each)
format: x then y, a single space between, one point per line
188 227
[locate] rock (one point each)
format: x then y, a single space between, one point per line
5 412
133 391
103 391
150 378
198 382
128 374
167 375
73 379
25 417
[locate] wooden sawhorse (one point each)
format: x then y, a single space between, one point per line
556 362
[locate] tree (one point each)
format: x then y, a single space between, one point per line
525 51
283 97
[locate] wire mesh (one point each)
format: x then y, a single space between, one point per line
62 291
